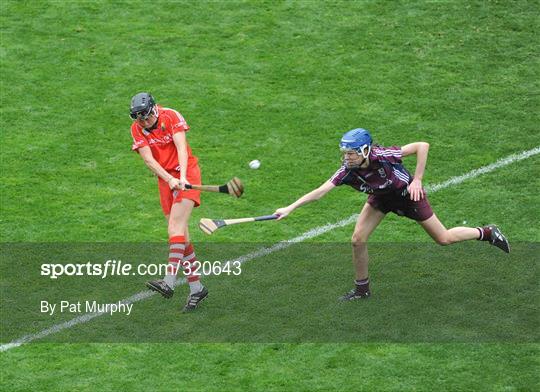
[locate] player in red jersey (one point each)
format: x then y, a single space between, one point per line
159 136
379 172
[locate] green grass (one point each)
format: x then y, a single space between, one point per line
279 82
235 367
416 299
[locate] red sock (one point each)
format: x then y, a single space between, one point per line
177 246
485 233
189 262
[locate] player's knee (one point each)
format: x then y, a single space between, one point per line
443 240
172 233
174 230
359 238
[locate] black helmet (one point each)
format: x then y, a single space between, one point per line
142 105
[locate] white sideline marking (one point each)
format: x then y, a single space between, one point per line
274 248
484 169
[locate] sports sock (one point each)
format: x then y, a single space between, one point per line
177 246
485 233
189 260
362 285
195 287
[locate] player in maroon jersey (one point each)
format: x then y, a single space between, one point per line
379 172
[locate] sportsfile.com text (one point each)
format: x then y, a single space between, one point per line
113 267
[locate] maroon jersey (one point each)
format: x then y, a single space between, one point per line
385 173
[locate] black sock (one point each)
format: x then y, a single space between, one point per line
362 285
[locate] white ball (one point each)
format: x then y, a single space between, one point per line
255 164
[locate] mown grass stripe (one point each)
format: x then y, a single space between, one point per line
317 231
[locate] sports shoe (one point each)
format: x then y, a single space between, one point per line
193 300
161 287
354 295
498 239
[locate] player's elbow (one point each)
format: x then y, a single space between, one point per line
315 196
319 193
148 161
322 190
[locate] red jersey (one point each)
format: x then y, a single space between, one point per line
160 139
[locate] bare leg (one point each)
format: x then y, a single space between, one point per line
179 218
444 236
186 235
367 221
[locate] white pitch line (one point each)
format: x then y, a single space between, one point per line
274 248
485 169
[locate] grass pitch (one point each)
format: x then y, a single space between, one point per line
278 82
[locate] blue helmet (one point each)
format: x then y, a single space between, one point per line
357 140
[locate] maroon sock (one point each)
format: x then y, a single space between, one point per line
362 285
485 233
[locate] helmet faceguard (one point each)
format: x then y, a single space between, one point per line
358 140
142 106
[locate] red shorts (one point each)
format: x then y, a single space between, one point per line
168 197
402 205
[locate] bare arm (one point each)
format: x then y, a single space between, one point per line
181 147
315 194
155 167
421 150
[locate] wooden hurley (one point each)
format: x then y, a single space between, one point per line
211 225
234 187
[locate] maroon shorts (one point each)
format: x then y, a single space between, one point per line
402 205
